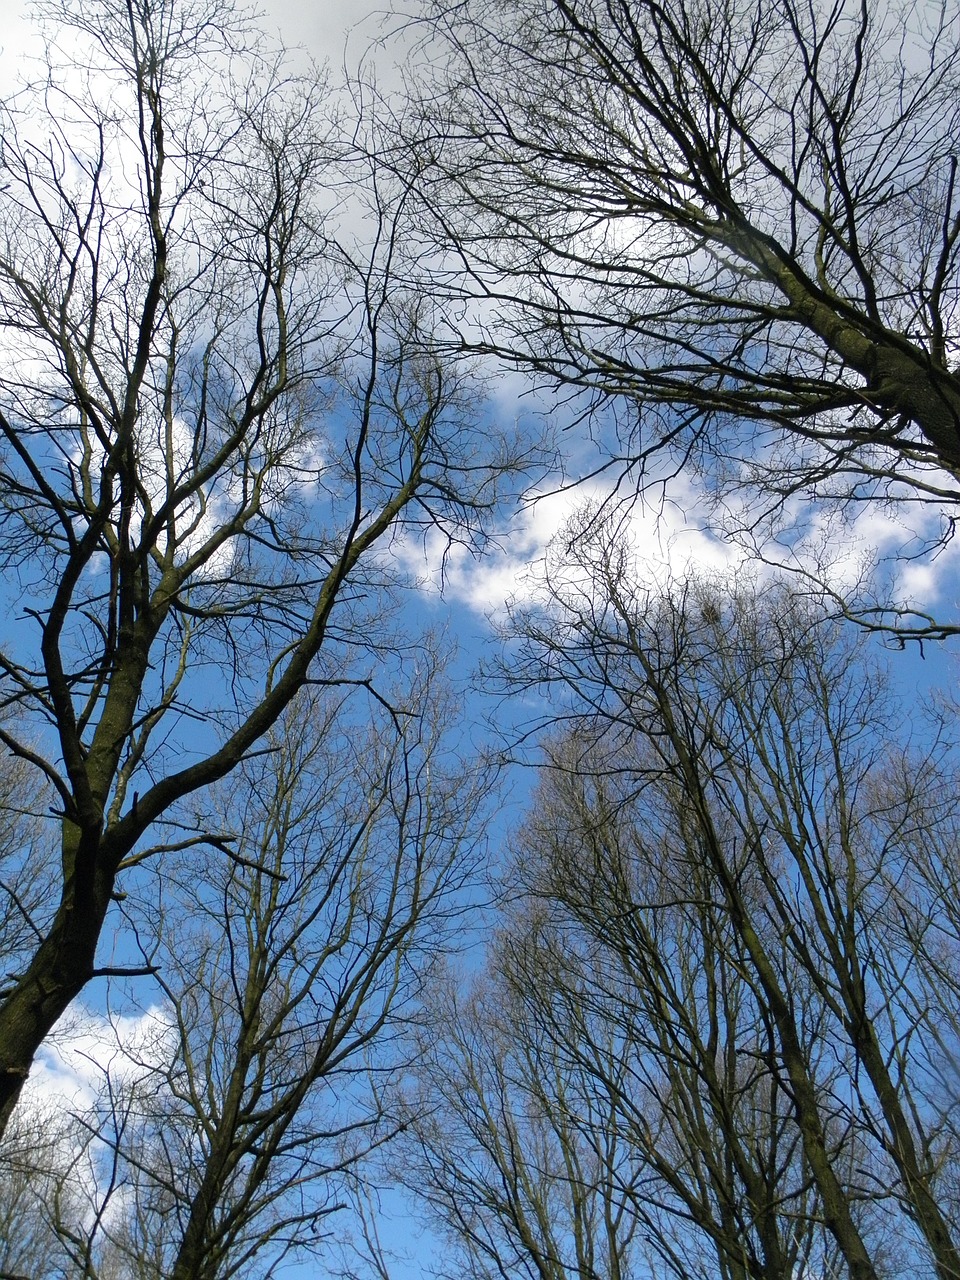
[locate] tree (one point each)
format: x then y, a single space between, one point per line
729 951
291 976
215 419
577 1119
522 1174
736 225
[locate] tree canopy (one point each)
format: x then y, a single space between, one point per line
736 226
717 1033
247 322
215 417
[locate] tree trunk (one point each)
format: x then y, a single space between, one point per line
62 964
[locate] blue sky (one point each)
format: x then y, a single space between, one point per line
468 597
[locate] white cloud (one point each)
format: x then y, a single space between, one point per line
504 572
666 539
902 550
681 534
21 40
72 1064
62 1126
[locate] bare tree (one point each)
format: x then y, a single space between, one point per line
640 977
215 419
605 1105
522 1177
766 737
291 977
730 957
43 1168
736 225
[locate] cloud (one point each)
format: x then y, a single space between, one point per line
504 572
905 553
58 1148
73 1062
682 533
666 537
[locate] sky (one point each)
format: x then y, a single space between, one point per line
469 596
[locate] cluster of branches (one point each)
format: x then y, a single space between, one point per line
215 417
735 225
718 1035
290 973
719 1032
